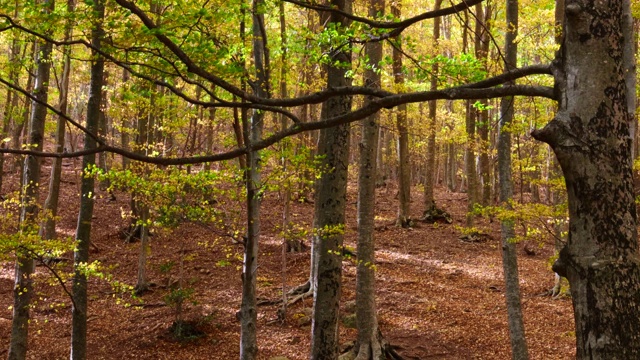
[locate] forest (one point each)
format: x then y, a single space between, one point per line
336 179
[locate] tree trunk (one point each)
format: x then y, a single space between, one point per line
404 172
83 230
470 163
590 135
330 207
11 102
126 123
24 267
509 258
429 184
286 198
48 229
253 133
482 51
19 124
368 345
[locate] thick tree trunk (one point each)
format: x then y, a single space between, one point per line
83 230
51 203
331 199
591 138
24 268
509 258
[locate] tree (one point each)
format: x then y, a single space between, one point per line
590 136
369 343
509 258
404 172
23 290
331 198
252 131
51 203
430 179
83 229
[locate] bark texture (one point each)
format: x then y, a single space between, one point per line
23 288
519 349
430 178
253 133
591 138
51 203
331 199
83 229
369 346
404 171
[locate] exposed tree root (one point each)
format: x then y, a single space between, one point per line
296 294
377 348
300 289
405 222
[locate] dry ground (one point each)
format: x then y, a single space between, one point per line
438 297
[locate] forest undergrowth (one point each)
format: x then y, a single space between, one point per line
438 297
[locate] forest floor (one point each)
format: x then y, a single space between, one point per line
438 296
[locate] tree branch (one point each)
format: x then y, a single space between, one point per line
456 93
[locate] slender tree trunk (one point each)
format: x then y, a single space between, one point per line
368 345
330 206
19 124
83 230
429 184
126 123
482 51
48 229
286 208
590 135
11 102
509 258
404 172
24 268
253 133
470 163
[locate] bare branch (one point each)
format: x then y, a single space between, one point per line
456 93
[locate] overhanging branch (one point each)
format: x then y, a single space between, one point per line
457 93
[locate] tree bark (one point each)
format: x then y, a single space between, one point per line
590 136
330 206
482 52
368 345
519 349
470 163
83 230
48 229
404 171
429 184
11 102
24 267
253 133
